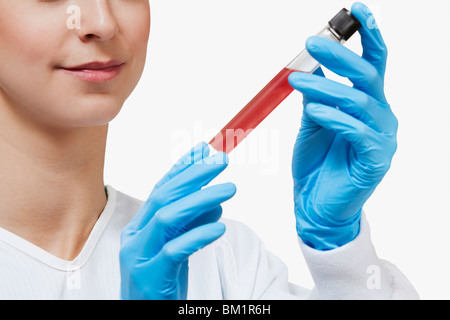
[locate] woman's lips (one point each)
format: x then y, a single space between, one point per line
95 71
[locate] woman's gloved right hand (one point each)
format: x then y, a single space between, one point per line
178 218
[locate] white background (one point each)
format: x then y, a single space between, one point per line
208 58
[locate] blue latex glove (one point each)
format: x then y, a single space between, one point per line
341 154
178 218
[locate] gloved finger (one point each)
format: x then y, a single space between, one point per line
318 72
350 100
310 134
210 216
374 48
178 250
186 182
360 136
198 152
346 63
173 220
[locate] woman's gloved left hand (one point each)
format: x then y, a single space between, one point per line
347 137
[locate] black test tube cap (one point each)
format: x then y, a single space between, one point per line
345 24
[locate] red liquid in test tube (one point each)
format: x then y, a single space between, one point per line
339 29
253 113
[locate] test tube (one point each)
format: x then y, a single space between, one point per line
339 29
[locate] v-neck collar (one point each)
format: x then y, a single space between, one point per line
55 262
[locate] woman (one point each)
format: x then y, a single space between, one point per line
64 235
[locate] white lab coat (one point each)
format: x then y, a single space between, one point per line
236 266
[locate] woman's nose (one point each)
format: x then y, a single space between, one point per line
97 21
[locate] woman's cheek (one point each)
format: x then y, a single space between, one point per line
138 32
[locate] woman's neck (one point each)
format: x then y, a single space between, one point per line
51 185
